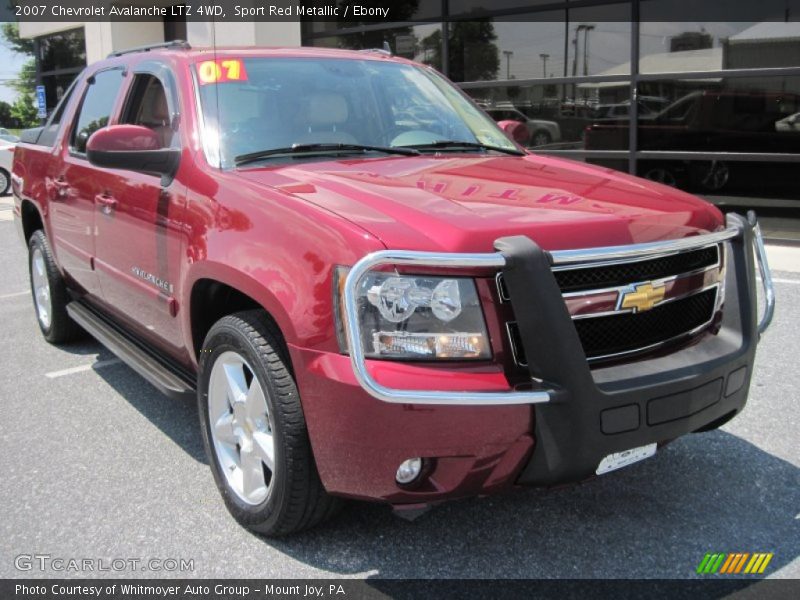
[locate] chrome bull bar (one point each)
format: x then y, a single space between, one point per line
495 260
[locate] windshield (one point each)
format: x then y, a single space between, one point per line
252 105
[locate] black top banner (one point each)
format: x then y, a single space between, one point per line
349 13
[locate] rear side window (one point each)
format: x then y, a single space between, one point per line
96 108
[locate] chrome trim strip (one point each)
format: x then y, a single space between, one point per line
623 261
403 396
766 277
514 349
504 297
642 251
498 281
611 313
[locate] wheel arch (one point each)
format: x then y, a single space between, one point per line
215 293
31 219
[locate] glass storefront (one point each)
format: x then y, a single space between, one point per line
59 58
717 107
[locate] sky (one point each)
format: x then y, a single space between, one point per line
10 64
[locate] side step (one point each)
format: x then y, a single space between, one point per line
169 379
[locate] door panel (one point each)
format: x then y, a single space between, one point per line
139 242
72 181
139 237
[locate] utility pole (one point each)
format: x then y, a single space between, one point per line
578 29
508 54
587 29
544 58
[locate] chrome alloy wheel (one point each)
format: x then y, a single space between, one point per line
41 288
241 428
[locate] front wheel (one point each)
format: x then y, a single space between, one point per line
254 430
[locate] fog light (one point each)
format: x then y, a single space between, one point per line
408 470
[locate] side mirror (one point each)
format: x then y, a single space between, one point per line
133 148
516 131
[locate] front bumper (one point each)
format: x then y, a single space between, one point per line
580 415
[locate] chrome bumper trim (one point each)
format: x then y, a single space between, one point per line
766 276
353 331
495 260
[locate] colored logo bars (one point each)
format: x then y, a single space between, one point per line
734 563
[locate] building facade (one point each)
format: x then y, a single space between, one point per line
712 107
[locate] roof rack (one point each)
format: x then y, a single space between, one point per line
177 44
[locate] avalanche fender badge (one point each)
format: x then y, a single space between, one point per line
615 461
220 71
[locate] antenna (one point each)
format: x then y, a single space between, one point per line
387 47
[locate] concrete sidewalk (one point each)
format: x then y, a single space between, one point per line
784 258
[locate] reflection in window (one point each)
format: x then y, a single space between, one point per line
710 46
97 105
421 43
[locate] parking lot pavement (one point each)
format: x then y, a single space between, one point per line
96 464
6 207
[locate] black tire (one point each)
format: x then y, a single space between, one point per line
296 498
5 182
59 328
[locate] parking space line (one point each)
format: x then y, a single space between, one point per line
80 369
779 280
14 295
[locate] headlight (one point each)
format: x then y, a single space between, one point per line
416 317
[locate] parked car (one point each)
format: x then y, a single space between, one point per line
705 121
790 123
7 136
541 132
366 304
6 159
649 106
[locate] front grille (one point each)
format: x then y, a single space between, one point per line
606 337
619 334
590 278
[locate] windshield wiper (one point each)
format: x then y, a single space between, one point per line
462 144
243 159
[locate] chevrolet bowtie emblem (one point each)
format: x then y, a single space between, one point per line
642 297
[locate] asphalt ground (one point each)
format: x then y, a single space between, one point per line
96 464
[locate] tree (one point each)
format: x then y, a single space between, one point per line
23 111
10 32
5 114
473 54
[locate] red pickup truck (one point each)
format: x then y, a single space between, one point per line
369 289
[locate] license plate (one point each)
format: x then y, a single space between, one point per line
615 461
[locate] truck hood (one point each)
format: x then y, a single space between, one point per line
462 203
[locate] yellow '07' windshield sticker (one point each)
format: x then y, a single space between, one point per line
221 71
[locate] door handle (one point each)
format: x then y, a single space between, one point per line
61 188
106 202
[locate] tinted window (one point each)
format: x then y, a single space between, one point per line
97 106
148 107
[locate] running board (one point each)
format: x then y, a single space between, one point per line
169 379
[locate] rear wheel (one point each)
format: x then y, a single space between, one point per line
50 296
254 430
